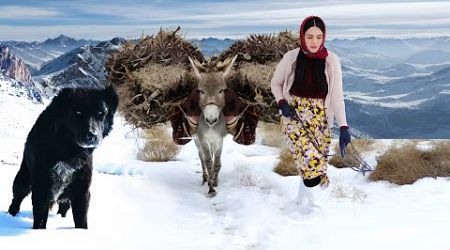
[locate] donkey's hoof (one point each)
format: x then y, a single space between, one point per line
212 193
216 183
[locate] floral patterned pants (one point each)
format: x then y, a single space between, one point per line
309 138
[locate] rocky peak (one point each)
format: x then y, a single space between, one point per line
12 66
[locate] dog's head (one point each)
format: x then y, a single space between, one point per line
86 114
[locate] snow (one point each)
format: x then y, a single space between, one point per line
149 205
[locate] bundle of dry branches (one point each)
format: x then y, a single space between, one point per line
152 76
258 56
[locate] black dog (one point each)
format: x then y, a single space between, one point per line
57 160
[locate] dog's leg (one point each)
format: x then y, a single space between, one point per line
21 188
80 197
63 207
41 201
80 206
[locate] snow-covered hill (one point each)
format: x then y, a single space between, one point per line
142 205
12 87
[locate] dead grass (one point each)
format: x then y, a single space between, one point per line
360 145
158 147
244 175
342 193
272 134
286 166
406 164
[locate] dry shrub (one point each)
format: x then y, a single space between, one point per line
286 166
360 145
406 164
158 147
271 133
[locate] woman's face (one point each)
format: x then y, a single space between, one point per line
313 39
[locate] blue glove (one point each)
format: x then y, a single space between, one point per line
344 139
286 109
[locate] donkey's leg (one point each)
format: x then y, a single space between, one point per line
217 166
208 162
205 175
201 155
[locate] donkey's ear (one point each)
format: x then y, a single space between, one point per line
197 66
226 65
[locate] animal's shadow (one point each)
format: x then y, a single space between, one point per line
21 223
10 226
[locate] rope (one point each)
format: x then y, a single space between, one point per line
364 167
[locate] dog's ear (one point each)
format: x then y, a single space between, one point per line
62 100
112 101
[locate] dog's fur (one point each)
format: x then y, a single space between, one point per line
57 160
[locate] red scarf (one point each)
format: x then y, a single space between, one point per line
322 52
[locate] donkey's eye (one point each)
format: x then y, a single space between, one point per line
221 91
78 113
201 91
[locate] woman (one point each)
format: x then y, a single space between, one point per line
307 85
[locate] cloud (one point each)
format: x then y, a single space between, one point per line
25 12
239 18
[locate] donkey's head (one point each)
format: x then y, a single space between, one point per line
212 87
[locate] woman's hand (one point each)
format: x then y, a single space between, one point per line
344 139
286 109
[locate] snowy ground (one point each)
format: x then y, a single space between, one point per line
139 205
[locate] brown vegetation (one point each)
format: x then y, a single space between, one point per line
406 164
158 147
286 166
271 134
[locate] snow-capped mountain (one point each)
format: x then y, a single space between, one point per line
35 54
83 66
391 85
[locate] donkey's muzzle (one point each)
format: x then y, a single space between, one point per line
211 113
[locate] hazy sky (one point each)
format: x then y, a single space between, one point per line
37 20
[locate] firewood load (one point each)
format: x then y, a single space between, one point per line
256 63
152 76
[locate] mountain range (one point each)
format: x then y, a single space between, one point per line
394 88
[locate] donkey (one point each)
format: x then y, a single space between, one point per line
211 124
